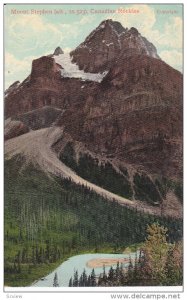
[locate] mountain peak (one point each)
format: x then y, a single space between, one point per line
58 51
133 31
114 25
109 41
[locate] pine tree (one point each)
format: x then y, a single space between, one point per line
55 281
81 280
76 279
84 278
104 275
111 274
93 278
70 282
100 279
135 271
140 269
122 277
89 281
117 274
130 272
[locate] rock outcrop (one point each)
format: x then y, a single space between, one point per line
58 51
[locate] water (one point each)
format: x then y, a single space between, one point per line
66 270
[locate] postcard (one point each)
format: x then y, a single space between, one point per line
93 160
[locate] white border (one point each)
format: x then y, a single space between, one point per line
26 292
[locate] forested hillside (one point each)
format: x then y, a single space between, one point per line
48 219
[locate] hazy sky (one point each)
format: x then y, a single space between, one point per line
28 36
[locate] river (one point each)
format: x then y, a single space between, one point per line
79 262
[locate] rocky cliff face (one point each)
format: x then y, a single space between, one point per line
134 115
109 42
45 87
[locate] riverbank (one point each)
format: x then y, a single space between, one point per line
33 273
79 264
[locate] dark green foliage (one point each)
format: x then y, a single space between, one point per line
76 279
93 278
130 273
145 189
48 219
111 274
68 156
70 282
103 175
55 281
115 277
83 280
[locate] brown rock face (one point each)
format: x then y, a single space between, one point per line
45 87
109 41
45 68
134 115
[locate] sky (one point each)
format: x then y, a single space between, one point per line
36 30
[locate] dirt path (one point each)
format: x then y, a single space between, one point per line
36 146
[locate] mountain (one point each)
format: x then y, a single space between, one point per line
135 116
108 42
108 116
58 51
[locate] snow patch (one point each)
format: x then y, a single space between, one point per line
71 70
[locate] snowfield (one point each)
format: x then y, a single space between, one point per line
71 70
